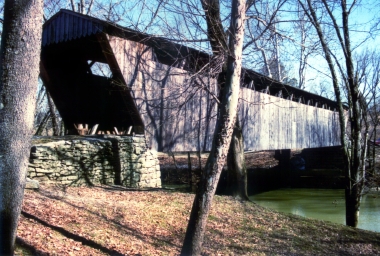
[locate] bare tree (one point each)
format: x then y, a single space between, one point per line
353 149
368 64
53 115
227 114
20 55
237 170
263 38
303 27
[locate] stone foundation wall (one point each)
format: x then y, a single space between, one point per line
139 166
106 159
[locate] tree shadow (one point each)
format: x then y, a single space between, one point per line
73 236
118 225
30 248
122 188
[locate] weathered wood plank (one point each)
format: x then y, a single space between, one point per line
179 116
255 119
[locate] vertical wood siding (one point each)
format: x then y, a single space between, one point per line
179 115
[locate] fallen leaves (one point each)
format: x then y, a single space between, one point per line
109 221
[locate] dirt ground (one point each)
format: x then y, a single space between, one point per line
112 220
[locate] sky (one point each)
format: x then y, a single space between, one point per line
362 38
177 21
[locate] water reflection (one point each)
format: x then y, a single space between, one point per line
323 204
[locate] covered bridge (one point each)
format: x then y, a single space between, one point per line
101 73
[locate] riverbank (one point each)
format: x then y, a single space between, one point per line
117 221
321 204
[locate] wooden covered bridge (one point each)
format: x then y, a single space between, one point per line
101 73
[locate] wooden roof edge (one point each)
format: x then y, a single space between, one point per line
272 83
127 33
165 44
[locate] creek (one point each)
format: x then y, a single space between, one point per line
322 204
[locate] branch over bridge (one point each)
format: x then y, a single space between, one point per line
101 73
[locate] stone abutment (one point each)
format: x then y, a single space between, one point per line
92 160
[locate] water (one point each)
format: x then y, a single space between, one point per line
323 204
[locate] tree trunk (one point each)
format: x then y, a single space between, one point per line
222 137
353 166
42 124
356 168
62 129
237 171
352 197
190 176
19 61
54 119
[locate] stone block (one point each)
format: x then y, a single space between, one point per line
143 162
61 148
65 182
151 163
126 140
32 184
62 159
68 162
150 170
137 150
136 166
136 177
30 165
133 158
36 161
43 171
148 176
69 154
42 178
65 172
73 177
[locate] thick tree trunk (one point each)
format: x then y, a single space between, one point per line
19 61
237 171
222 136
353 198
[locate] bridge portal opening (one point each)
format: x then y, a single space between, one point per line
85 89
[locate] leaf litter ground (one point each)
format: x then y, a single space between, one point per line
111 220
